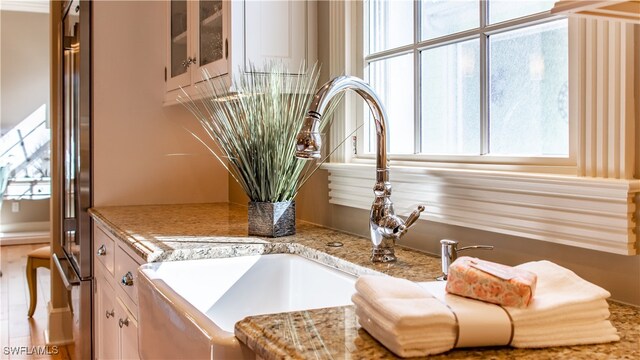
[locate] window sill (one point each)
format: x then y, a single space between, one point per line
593 213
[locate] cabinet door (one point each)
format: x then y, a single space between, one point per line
128 333
210 38
277 31
107 337
179 47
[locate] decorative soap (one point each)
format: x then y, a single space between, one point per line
491 282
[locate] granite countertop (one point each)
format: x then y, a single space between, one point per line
201 231
334 333
196 231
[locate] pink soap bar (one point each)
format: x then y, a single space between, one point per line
491 282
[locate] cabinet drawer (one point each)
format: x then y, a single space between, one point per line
127 274
104 248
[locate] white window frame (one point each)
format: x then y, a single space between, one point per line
480 33
589 201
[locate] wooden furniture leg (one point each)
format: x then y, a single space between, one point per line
35 259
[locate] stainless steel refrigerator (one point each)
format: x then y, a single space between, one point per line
74 262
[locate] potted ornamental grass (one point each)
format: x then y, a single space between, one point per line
253 129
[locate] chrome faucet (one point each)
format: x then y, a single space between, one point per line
385 227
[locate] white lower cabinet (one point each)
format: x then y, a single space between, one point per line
115 300
107 324
128 333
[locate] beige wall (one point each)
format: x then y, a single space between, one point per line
24 87
33 216
24 79
143 153
617 273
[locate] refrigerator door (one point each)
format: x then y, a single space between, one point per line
76 139
75 185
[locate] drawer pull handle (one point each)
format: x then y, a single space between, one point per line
127 279
124 322
109 314
102 250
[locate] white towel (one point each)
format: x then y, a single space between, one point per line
587 311
566 310
405 349
405 312
408 320
377 287
440 334
557 288
436 330
393 311
596 334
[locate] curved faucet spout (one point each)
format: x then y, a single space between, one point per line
309 143
384 225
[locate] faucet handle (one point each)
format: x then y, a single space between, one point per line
481 247
411 219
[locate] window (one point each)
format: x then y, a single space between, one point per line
507 76
465 80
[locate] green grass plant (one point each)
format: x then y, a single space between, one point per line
254 127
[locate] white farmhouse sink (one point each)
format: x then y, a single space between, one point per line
187 309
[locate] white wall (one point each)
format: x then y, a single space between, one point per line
142 152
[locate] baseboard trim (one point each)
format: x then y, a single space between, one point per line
23 238
60 331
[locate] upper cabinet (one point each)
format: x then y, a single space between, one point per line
622 10
222 38
197 36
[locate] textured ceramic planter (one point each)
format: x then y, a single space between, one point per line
272 219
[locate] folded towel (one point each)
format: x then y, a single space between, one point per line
597 334
376 287
408 320
555 330
393 311
440 334
557 288
570 319
421 345
443 320
593 309
405 312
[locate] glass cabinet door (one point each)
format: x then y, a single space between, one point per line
211 38
179 58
